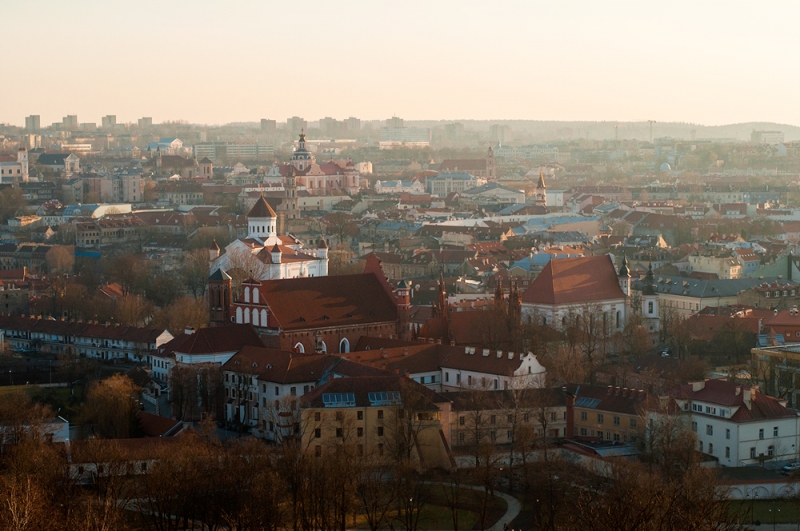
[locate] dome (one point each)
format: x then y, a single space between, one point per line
665 167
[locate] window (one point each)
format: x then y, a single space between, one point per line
752 453
694 427
771 451
510 419
317 433
469 379
293 391
277 391
380 431
446 376
493 435
616 421
633 423
359 432
317 416
508 435
761 433
583 431
584 415
775 431
380 414
553 416
616 436
525 417
339 432
710 449
599 418
728 452
305 389
460 421
492 419
600 434
458 378
318 451
360 449
709 429
727 433
360 415
649 306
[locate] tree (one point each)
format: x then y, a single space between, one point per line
60 259
133 310
111 407
11 201
194 271
184 312
242 264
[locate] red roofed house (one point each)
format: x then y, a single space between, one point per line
570 287
737 424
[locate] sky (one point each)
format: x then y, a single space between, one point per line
222 61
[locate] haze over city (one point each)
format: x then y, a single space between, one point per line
218 62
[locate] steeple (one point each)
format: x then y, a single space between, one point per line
624 277
541 191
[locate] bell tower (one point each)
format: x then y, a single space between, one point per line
541 191
219 297
650 313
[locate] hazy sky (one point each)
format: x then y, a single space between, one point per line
218 61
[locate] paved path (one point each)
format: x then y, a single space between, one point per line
514 507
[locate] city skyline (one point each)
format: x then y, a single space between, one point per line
213 64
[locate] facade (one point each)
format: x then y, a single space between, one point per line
15 169
446 183
737 424
387 417
724 267
608 413
482 168
89 339
398 187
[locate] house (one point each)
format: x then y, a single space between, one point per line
738 424
588 287
59 162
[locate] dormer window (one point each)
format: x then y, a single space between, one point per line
767 294
784 293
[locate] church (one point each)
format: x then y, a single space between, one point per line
264 255
319 178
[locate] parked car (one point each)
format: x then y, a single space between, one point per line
791 466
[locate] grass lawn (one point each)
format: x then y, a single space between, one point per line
10 389
767 511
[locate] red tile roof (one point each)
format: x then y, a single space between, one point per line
228 338
575 280
315 302
730 394
261 209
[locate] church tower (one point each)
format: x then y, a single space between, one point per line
403 296
22 159
541 191
491 169
624 277
302 158
650 314
219 297
262 223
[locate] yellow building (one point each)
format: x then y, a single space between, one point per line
389 417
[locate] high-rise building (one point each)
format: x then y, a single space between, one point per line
70 122
394 123
269 126
109 121
145 122
295 124
766 137
500 133
32 123
353 125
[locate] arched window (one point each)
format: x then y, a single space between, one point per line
299 347
344 346
246 316
239 315
263 317
255 317
619 318
246 294
255 295
324 347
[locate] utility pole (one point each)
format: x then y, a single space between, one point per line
651 129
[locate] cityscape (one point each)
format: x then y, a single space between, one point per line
561 295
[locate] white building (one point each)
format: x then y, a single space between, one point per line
265 255
14 169
397 187
446 183
737 424
578 288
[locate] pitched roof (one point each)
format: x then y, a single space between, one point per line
228 338
328 301
730 394
362 387
575 280
261 210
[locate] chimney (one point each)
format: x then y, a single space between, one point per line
511 355
405 351
641 394
439 341
499 354
624 391
698 386
407 374
486 352
430 340
189 330
616 391
610 389
452 342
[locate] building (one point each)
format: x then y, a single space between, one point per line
398 187
109 121
145 122
444 184
494 191
404 136
270 127
387 417
90 339
767 137
482 168
68 163
738 424
320 178
70 122
264 255
33 123
14 170
569 289
319 314
725 267
608 413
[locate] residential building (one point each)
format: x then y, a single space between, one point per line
738 424
725 267
608 413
